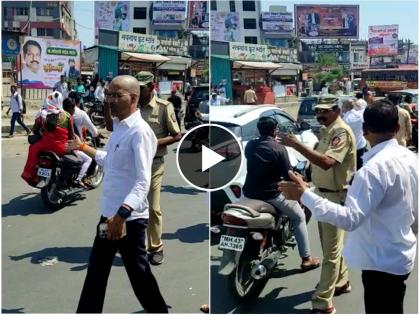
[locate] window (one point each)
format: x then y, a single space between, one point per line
139 30
285 124
251 40
140 13
43 12
45 32
21 11
213 5
232 6
250 24
250 131
248 5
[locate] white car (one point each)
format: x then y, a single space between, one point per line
242 121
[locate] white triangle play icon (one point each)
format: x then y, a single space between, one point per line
209 158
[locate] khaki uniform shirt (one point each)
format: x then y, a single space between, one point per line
404 120
336 141
160 115
250 96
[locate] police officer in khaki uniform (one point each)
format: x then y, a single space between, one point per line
160 115
333 165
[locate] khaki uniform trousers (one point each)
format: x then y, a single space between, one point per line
334 272
154 227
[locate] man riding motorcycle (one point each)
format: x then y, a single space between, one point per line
267 164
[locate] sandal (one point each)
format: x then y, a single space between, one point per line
205 308
311 263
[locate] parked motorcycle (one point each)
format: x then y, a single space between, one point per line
95 110
57 177
257 236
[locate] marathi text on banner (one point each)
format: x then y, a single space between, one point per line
248 52
383 40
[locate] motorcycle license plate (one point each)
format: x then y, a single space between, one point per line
232 243
44 172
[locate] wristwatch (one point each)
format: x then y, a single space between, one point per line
123 212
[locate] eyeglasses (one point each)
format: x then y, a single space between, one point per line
115 95
322 110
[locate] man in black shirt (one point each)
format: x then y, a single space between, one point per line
177 102
267 164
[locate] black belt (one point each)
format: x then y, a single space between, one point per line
158 157
325 190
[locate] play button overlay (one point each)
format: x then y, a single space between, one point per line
209 157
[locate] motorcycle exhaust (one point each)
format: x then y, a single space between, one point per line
258 272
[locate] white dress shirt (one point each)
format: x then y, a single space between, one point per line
16 104
99 93
354 118
361 104
379 211
81 120
127 164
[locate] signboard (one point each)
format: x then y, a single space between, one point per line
198 18
45 60
277 22
151 44
112 15
311 52
10 45
165 87
383 40
359 57
288 55
248 52
397 85
324 21
225 26
168 12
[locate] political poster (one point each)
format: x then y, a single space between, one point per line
198 15
112 15
169 12
383 40
327 21
277 22
225 26
44 60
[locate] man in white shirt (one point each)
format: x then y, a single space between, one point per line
127 164
16 106
217 100
61 86
360 102
354 118
380 212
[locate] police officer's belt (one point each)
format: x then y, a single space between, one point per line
158 157
325 190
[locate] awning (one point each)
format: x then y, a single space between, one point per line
126 56
287 69
255 65
176 63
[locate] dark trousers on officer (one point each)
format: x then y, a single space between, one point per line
133 253
384 292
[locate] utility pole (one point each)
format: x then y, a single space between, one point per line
408 50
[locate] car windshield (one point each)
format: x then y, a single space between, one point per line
307 107
201 94
232 127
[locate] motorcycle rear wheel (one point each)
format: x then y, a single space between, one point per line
48 196
97 177
243 284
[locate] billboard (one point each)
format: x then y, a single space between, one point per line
225 26
248 52
324 21
44 60
277 54
10 45
311 52
112 15
383 40
168 12
277 22
198 15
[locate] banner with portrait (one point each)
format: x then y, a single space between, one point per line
198 15
169 12
383 40
225 26
44 60
327 21
112 15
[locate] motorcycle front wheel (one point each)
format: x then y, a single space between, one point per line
97 119
244 285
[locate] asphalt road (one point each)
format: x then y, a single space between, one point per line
289 291
30 232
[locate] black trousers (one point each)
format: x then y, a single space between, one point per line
384 292
16 117
359 161
134 255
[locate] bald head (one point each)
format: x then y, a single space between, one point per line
127 83
123 94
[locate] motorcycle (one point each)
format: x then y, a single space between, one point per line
95 110
57 177
199 137
256 238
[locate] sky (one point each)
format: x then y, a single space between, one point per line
372 12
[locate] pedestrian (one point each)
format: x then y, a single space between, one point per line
267 163
250 98
404 133
80 88
348 86
360 102
100 91
333 164
365 90
177 103
215 100
369 98
160 115
124 207
187 90
379 213
354 119
61 86
16 106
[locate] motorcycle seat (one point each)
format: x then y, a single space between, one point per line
50 155
72 159
254 207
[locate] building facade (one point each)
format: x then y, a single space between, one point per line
53 19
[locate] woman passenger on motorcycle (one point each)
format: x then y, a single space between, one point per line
56 127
